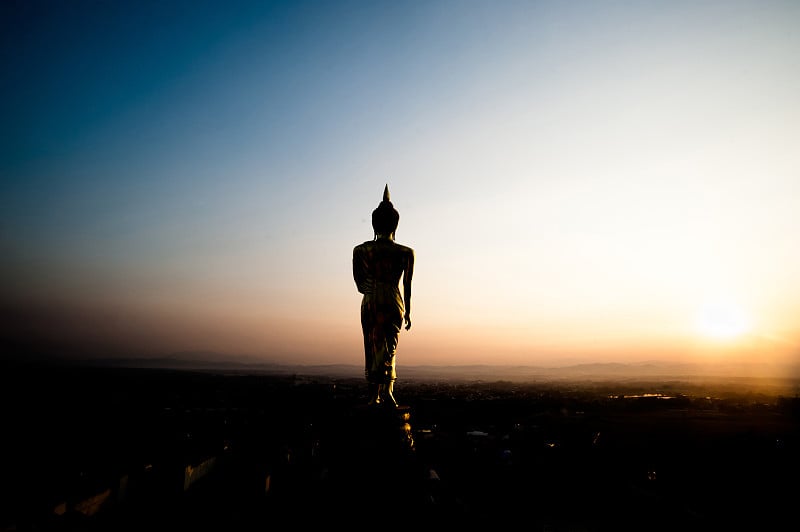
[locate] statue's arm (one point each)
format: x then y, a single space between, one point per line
408 274
360 271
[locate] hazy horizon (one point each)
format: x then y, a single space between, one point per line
596 182
561 370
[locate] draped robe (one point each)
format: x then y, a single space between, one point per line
378 267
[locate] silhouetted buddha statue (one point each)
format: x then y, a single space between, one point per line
379 265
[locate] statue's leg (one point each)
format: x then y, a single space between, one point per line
389 395
374 393
390 342
371 353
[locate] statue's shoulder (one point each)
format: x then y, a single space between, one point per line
405 249
364 247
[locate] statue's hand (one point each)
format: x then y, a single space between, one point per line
407 317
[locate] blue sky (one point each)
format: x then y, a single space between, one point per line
580 180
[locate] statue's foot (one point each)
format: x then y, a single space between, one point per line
374 401
390 401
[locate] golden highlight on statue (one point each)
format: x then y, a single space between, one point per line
378 267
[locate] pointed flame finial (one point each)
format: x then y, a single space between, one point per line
385 216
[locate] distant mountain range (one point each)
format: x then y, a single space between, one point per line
477 372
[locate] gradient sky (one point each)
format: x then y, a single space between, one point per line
581 181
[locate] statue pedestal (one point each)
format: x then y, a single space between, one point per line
373 470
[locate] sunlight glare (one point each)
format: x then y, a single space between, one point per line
722 321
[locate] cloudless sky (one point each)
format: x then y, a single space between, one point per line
581 181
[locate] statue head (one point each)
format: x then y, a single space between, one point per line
385 217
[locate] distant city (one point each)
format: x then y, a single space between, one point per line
767 377
95 447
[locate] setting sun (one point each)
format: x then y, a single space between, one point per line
722 321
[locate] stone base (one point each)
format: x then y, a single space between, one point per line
373 467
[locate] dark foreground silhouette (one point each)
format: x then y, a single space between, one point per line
130 449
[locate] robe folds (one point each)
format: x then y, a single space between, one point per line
378 268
